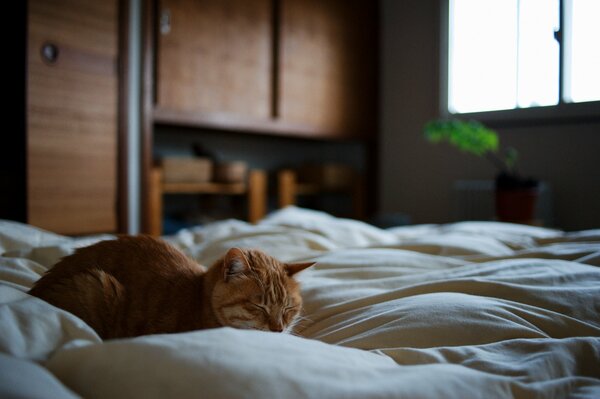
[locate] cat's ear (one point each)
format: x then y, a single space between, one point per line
293 268
235 264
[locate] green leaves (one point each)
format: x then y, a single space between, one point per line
473 137
469 136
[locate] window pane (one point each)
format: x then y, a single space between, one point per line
482 55
582 64
538 55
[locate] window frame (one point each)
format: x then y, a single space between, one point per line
563 112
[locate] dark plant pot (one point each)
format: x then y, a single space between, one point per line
516 199
516 205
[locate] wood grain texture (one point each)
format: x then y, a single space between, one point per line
257 195
216 57
303 68
204 188
124 118
72 108
236 123
328 65
286 188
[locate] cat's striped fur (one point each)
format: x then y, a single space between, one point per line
138 285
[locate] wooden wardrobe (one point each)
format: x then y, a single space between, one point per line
73 100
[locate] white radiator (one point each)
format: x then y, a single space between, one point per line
474 200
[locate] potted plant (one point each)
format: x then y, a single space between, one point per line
515 195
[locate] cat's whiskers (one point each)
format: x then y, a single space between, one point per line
296 322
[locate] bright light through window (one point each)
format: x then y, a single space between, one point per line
583 59
502 54
482 51
538 53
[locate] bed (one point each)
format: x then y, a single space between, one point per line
463 310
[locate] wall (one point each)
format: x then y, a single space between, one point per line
417 177
259 151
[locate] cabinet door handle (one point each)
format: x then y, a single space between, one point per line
165 21
49 52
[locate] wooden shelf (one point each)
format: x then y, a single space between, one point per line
316 189
255 189
204 188
246 124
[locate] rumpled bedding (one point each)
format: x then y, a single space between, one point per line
464 310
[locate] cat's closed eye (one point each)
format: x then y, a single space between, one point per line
290 310
260 308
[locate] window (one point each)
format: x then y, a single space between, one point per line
506 54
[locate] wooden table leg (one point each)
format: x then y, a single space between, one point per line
286 188
257 195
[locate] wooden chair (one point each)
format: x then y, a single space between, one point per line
255 190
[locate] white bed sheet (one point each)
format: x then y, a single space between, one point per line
473 309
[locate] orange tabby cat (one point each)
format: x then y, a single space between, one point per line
140 285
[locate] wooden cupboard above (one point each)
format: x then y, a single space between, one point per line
287 67
214 57
328 65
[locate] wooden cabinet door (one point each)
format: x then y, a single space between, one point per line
72 94
328 64
214 58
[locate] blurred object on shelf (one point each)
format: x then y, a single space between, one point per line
186 169
230 172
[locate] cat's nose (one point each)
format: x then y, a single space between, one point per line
276 326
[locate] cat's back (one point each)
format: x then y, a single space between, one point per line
98 282
124 258
132 262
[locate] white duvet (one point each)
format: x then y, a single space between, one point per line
466 310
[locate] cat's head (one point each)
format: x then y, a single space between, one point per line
256 291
